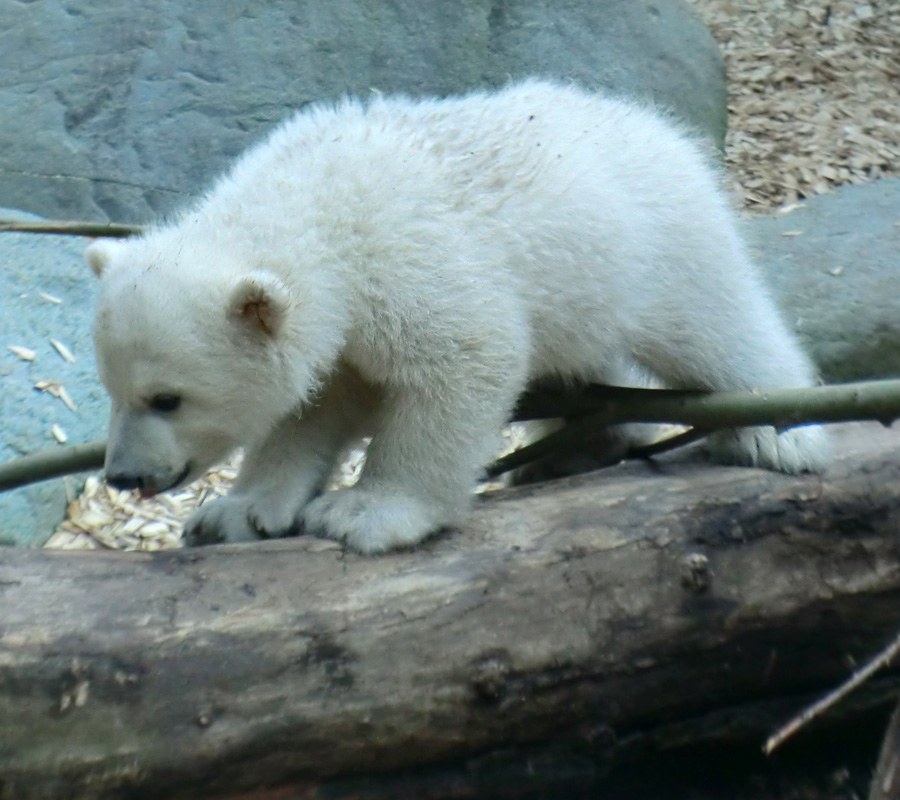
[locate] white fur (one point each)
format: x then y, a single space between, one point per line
406 268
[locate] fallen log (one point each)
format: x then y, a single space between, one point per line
560 622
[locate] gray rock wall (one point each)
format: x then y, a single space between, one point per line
834 265
122 111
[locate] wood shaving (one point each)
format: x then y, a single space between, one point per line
814 94
22 352
103 517
49 298
59 434
814 103
56 389
63 351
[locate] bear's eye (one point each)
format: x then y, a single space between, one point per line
165 403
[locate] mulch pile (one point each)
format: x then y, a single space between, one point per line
814 94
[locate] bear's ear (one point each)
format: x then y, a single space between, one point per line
261 301
100 253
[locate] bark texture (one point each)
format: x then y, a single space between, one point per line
577 614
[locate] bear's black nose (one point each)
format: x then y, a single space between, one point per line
122 480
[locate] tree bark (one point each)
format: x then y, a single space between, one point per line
576 615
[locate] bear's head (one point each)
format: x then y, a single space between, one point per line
192 355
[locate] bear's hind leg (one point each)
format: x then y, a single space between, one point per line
739 343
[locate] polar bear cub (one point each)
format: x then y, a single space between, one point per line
404 268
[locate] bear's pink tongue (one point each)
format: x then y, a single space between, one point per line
148 493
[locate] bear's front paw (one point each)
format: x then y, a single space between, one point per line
803 449
239 518
370 521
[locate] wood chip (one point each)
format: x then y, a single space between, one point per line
59 434
63 351
65 539
22 352
56 389
814 94
49 298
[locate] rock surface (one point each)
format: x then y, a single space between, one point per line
34 270
834 265
124 111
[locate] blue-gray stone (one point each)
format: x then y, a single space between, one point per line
123 111
29 265
834 265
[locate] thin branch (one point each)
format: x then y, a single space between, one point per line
51 464
816 709
559 439
668 444
528 453
597 406
65 228
786 408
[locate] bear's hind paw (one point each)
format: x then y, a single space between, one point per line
802 449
